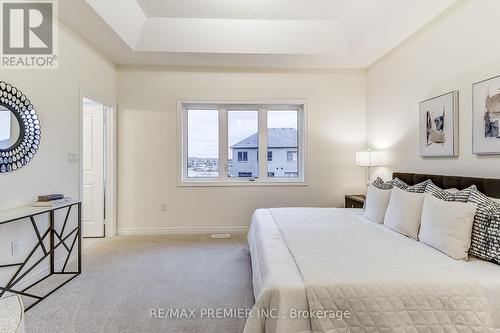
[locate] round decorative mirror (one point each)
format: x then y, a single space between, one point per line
19 129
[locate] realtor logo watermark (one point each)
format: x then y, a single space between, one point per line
29 34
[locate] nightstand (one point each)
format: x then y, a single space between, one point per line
354 201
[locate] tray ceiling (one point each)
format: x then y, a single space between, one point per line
247 9
249 33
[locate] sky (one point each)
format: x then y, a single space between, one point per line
203 128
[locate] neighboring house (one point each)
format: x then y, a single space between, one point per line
281 154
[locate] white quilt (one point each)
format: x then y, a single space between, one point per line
360 277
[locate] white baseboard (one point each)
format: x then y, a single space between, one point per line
182 231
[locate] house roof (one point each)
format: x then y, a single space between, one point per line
276 138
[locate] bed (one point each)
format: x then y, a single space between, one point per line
331 270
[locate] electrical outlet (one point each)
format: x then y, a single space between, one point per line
14 245
163 207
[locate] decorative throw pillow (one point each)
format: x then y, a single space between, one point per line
376 204
463 195
436 191
457 196
447 226
480 233
404 212
388 185
418 188
494 238
494 199
396 182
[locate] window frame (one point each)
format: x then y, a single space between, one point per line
262 107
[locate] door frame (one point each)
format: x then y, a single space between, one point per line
110 158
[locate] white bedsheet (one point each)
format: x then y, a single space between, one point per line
278 284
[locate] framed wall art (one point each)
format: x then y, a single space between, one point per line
486 116
439 126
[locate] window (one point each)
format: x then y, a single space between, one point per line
242 126
203 143
222 143
242 156
283 138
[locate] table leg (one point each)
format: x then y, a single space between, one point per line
51 238
79 237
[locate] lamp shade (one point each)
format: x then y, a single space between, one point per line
368 158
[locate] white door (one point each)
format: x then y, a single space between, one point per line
93 169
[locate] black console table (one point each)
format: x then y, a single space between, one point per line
47 241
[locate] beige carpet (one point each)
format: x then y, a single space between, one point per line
126 276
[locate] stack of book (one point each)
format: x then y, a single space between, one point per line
51 200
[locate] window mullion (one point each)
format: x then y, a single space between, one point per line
184 148
223 145
263 144
301 144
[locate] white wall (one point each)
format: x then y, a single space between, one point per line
459 48
147 134
56 97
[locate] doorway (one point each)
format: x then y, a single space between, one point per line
96 168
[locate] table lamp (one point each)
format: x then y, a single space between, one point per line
368 159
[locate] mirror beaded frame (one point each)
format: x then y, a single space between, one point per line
23 150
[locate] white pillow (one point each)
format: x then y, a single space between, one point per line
447 226
404 212
376 204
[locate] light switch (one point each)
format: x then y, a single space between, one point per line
73 158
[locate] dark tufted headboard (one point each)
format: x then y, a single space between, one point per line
488 186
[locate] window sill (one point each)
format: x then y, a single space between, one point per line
208 183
